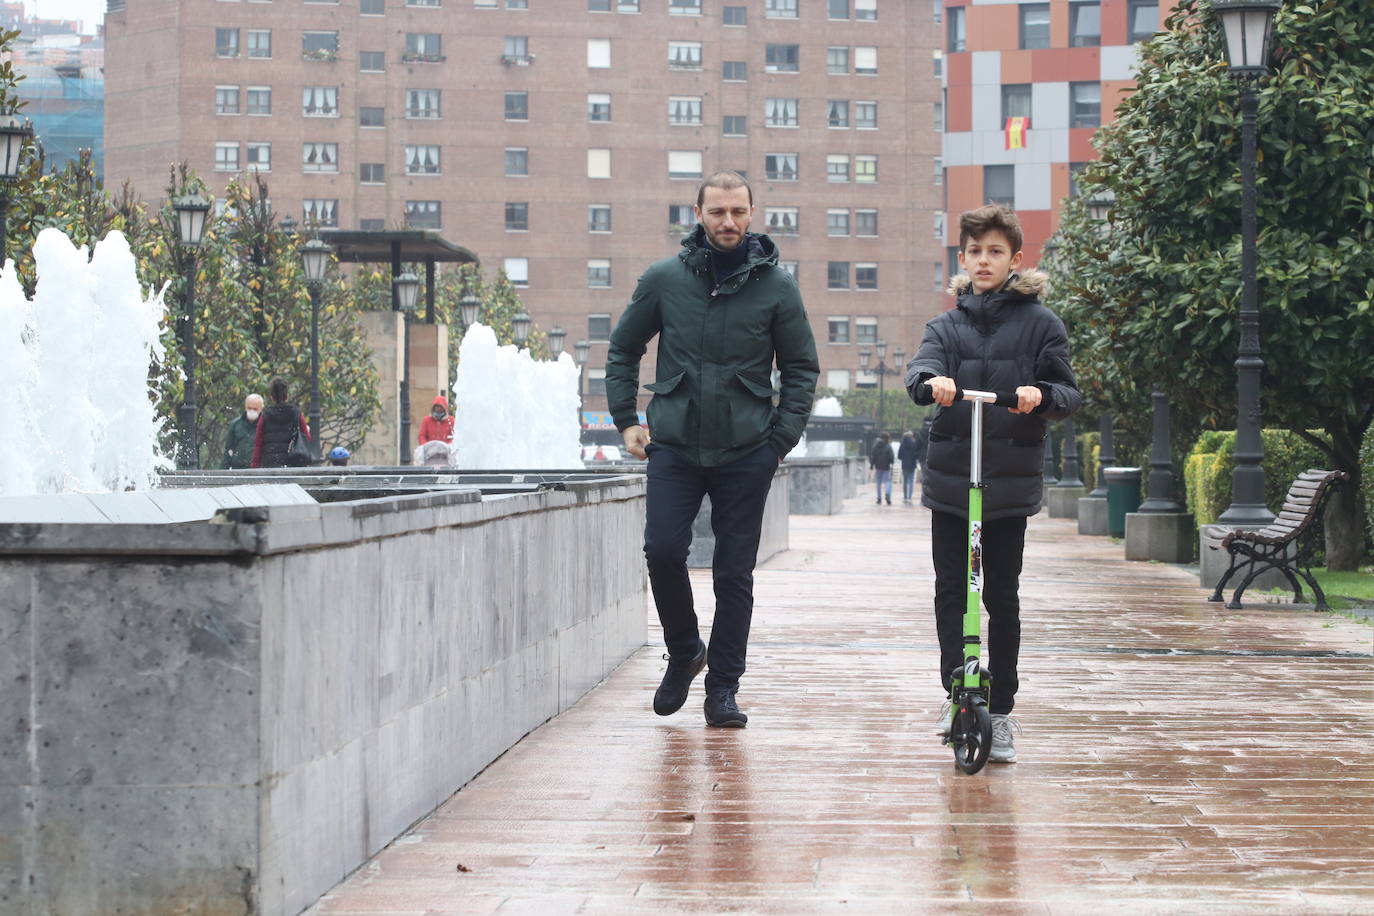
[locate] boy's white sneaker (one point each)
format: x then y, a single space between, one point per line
1003 747
944 719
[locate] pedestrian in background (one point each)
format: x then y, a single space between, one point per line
243 432
907 455
880 460
277 428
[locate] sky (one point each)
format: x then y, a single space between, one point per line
90 12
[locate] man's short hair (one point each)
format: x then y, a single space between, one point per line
974 224
726 180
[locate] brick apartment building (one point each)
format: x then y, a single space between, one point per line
564 139
1063 65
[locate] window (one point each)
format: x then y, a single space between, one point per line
781 58
939 177
517 4
598 163
1035 26
938 11
372 173
517 217
420 2
320 157
999 185
734 125
1142 19
837 9
684 109
780 9
866 115
260 43
598 6
865 10
938 224
598 106
596 381
517 271
956 36
517 106
781 220
836 168
734 71
372 61
226 100
789 268
627 6
599 327
1016 101
837 379
424 214
866 223
1085 101
259 157
598 273
735 15
836 222
838 325
938 60
226 157
321 212
320 102
259 100
372 225
837 61
780 113
422 103
226 42
1075 173
837 113
681 218
422 160
517 162
866 277
866 61
598 53
376 7
866 329
425 47
684 55
320 45
684 163
780 166
598 217
371 117
684 7
866 169
939 278
938 115
837 277
1085 25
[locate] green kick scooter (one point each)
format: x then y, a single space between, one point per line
970 732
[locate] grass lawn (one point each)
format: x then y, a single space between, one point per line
1347 584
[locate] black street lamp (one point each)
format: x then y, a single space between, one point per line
315 256
1247 26
468 307
407 287
14 136
882 370
580 351
520 328
192 210
556 336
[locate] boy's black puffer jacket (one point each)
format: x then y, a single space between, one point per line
997 341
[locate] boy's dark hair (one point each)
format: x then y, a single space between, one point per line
974 224
278 391
726 180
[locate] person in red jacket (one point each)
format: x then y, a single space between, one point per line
438 426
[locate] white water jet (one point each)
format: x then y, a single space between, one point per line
512 411
824 407
74 368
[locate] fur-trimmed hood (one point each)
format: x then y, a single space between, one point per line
1030 284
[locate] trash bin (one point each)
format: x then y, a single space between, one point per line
1123 496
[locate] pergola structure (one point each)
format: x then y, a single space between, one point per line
399 246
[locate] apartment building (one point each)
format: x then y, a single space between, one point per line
563 140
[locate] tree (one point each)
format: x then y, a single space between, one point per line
1151 294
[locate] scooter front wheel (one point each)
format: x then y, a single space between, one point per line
971 735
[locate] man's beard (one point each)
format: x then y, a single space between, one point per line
714 240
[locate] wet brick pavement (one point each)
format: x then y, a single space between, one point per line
1177 757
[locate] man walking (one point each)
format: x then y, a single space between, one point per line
723 311
238 444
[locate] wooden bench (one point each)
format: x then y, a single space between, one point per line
1286 543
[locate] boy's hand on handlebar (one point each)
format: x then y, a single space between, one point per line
1027 399
942 389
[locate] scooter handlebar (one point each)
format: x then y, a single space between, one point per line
998 398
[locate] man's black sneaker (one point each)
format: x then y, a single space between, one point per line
721 711
677 680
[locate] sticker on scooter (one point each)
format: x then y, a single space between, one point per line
975 557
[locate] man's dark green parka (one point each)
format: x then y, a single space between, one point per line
717 342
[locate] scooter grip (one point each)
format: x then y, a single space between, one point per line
921 393
1006 399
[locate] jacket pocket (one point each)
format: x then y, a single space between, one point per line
751 411
668 409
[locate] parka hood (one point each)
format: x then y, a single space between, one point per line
1030 284
440 401
762 249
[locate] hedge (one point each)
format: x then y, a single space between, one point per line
1209 465
1367 478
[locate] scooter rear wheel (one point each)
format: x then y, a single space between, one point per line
971 735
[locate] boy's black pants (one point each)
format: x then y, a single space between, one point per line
1004 541
738 492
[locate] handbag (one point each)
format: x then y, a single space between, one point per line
300 453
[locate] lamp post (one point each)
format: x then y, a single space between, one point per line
468 307
1247 26
14 135
315 259
882 370
407 291
580 351
556 336
192 211
520 328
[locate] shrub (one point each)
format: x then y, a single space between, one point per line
1208 473
1367 479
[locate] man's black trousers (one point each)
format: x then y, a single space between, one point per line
738 493
1004 541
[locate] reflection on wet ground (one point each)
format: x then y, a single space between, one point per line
1176 757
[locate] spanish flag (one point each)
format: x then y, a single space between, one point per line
1016 132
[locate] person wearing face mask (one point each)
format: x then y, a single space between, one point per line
238 444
